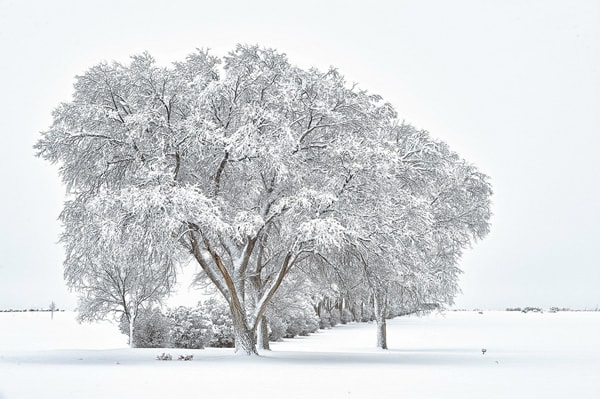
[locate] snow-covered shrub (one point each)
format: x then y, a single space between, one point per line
222 325
346 316
151 329
325 320
334 317
277 328
291 311
291 322
164 356
190 328
301 322
368 314
208 324
330 317
291 316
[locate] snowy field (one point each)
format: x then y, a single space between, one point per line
550 355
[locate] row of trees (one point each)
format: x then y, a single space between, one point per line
262 174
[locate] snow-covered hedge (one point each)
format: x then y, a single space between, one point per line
222 325
190 328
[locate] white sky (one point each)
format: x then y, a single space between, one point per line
513 86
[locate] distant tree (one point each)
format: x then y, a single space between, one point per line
52 308
253 169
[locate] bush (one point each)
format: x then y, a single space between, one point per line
334 317
277 329
222 325
302 321
368 314
151 329
290 326
325 320
189 328
346 316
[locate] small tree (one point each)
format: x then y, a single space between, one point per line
115 259
52 308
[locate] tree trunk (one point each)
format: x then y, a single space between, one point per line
380 313
245 339
263 334
362 311
132 316
131 343
340 308
381 333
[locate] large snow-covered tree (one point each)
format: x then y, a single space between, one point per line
250 168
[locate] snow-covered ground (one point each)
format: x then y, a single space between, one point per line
550 355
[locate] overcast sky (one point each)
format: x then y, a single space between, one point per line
512 86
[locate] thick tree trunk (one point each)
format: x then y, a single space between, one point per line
245 339
380 313
263 334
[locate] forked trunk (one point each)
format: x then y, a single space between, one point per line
380 313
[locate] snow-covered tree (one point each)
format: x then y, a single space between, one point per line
436 206
117 258
252 168
52 309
